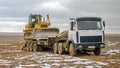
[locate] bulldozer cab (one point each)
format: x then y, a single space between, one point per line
38 19
34 19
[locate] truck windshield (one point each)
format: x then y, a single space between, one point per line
89 25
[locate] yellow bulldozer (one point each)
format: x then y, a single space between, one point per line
38 34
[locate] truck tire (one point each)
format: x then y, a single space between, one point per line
97 51
35 47
60 48
28 46
31 46
40 47
72 50
55 48
24 46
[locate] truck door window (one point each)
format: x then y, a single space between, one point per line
99 24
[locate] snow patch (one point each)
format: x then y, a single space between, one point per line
56 64
113 52
112 44
31 65
46 66
83 62
101 63
26 56
5 62
89 66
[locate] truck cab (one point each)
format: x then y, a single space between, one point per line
87 33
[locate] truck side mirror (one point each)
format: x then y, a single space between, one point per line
104 23
71 26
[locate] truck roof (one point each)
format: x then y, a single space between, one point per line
88 19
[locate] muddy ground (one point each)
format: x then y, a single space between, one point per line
12 57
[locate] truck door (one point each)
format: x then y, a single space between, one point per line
72 32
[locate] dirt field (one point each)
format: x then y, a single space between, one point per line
12 57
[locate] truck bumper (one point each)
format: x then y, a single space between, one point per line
89 45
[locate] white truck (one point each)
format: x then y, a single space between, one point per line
84 34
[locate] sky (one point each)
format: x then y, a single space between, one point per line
14 13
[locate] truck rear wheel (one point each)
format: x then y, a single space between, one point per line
28 46
60 48
31 46
24 46
35 47
55 48
72 50
97 51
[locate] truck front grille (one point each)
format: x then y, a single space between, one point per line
90 39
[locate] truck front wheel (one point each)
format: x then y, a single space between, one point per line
72 50
55 48
97 51
60 48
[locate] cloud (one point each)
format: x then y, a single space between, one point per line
53 5
11 26
13 19
60 11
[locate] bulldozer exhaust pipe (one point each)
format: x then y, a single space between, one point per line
48 19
